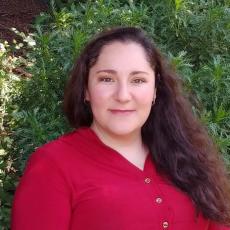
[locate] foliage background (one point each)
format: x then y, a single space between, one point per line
194 35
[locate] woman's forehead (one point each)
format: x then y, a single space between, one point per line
122 54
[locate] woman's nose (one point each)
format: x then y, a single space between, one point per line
123 92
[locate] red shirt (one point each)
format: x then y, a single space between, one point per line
78 183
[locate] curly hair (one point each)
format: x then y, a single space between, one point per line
180 146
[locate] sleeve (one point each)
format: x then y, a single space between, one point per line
42 198
216 226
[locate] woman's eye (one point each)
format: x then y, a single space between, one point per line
138 81
106 79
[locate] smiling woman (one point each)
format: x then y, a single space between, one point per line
120 85
138 159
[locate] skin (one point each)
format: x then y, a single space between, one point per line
121 92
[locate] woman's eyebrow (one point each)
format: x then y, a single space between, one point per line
139 72
107 71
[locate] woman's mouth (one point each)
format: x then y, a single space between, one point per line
121 111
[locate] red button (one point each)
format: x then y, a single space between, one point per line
158 200
147 180
165 224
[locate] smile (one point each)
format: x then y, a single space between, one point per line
121 111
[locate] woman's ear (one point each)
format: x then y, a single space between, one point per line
154 95
86 95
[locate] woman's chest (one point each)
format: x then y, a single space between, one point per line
106 200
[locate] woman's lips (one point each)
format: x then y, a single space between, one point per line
121 111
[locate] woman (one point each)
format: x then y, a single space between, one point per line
138 159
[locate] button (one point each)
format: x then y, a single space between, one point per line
165 224
158 200
147 180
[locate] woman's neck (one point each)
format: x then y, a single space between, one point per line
130 146
110 138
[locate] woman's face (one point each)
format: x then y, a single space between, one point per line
121 89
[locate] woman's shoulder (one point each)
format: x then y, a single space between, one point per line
66 148
75 140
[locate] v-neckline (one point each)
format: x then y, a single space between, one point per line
142 170
119 155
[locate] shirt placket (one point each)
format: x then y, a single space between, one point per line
160 205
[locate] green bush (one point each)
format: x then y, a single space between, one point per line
194 35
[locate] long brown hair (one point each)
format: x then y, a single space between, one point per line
180 145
